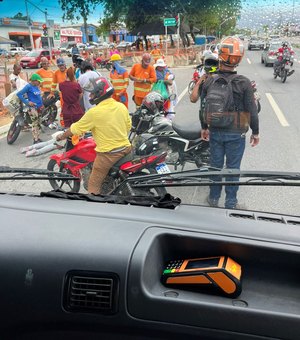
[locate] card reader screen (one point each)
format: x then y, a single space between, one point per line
205 263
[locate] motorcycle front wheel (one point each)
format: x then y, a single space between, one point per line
258 106
64 185
13 132
51 113
283 76
191 87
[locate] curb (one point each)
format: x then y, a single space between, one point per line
4 129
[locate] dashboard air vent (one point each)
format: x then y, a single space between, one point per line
240 215
91 292
266 218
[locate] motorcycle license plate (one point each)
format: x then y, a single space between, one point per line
162 169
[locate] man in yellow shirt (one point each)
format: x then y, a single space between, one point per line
110 123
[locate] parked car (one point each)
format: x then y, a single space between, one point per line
33 58
255 43
268 55
124 44
4 53
18 50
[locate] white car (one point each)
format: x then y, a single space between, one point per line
18 50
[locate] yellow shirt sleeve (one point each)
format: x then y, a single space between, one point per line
86 123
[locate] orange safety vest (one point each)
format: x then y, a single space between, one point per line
156 54
120 83
138 71
47 76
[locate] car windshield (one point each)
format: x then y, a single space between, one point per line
168 135
33 54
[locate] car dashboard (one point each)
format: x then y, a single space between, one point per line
84 270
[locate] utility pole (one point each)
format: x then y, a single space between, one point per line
178 32
46 18
49 42
29 26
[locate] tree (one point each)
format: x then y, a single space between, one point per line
204 14
74 9
20 16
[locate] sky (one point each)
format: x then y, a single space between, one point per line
254 12
269 12
12 7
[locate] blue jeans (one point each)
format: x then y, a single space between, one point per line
232 146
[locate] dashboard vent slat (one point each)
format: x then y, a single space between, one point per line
266 218
91 292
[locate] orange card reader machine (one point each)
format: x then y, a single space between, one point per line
219 273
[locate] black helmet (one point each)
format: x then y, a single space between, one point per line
285 44
86 65
153 102
211 63
101 89
77 59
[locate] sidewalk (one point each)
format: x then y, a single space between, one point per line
5 121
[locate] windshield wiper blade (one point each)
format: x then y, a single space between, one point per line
207 177
167 201
32 174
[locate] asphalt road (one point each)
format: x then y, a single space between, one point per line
278 149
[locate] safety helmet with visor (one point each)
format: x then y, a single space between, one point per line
153 102
211 63
100 89
231 51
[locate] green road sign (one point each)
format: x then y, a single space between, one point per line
56 35
170 22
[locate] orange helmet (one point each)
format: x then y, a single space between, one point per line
231 51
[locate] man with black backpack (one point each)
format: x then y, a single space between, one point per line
227 110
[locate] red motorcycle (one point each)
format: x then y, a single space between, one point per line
103 63
79 162
196 76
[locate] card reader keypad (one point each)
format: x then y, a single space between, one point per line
173 266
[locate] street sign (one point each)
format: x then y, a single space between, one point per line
170 22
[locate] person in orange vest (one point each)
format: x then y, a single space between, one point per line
47 75
59 76
119 79
155 53
143 76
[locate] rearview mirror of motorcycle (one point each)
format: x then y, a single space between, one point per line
172 96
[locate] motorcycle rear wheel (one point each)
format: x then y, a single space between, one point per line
65 185
283 76
13 132
108 66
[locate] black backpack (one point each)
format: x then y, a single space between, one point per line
219 110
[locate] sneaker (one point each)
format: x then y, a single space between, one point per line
236 206
37 141
212 202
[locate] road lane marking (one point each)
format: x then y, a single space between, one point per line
249 61
182 94
277 110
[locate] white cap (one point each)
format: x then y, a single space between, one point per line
160 63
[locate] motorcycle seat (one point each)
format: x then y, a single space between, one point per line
127 158
191 131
